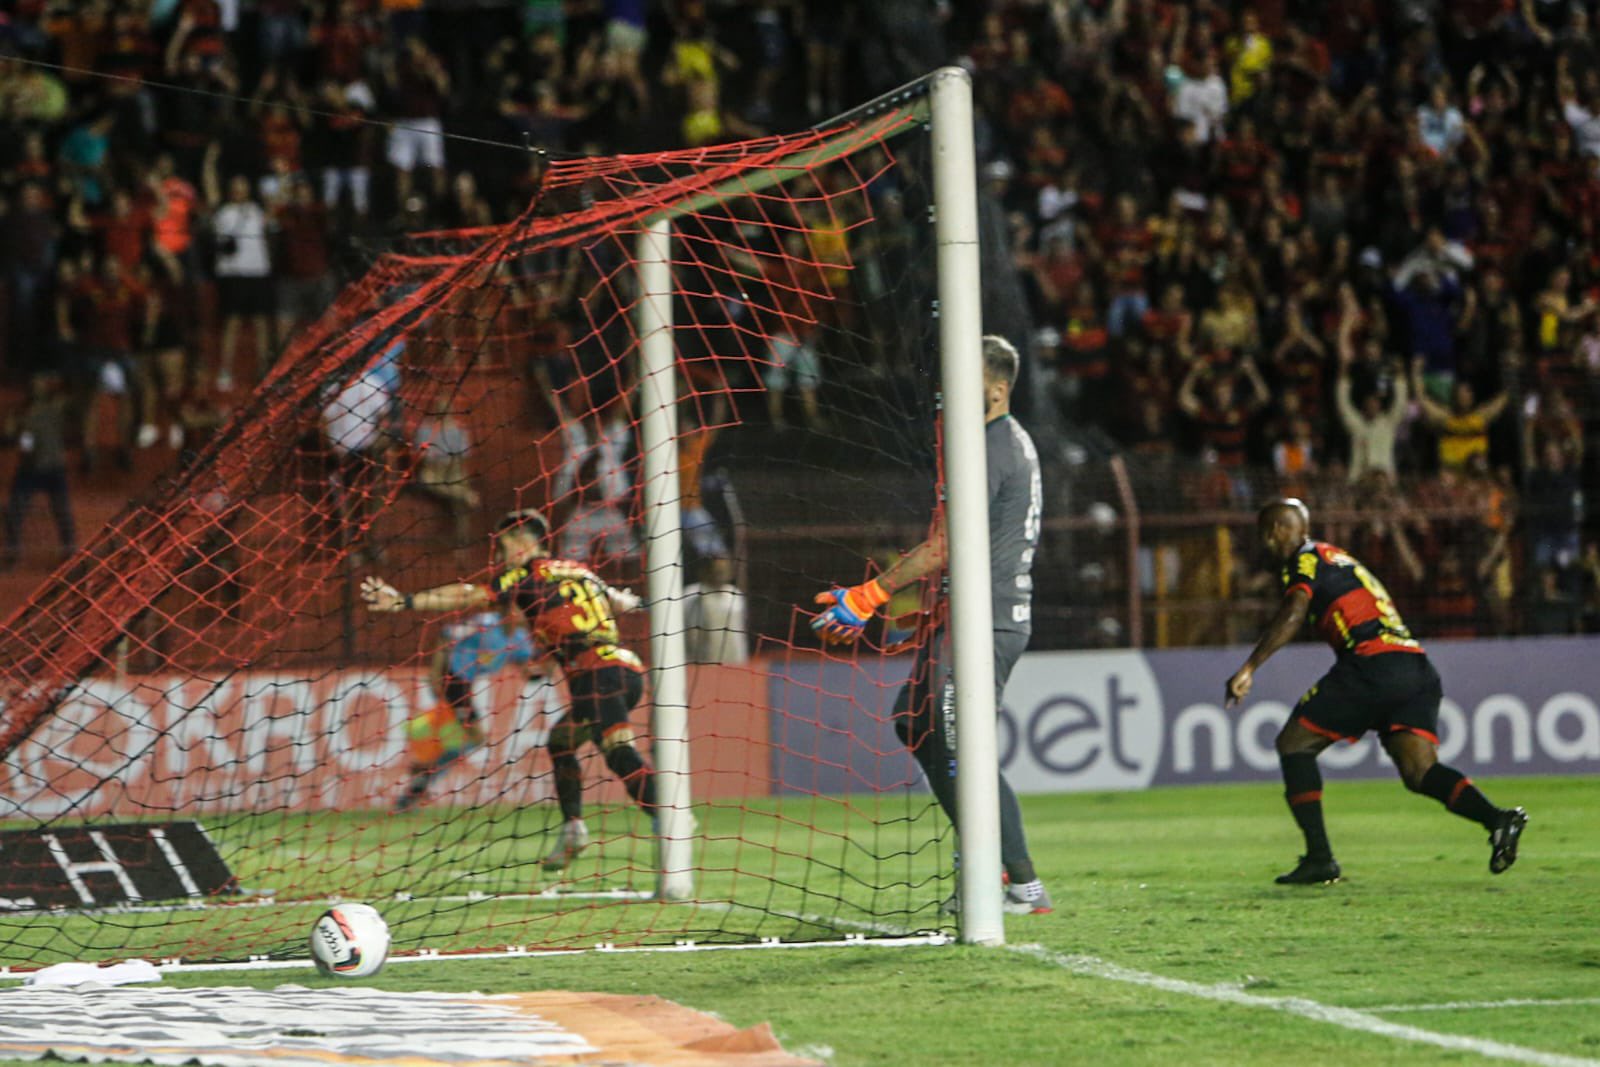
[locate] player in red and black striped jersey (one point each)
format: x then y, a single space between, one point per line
1382 680
572 615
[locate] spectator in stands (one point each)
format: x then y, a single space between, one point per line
122 317
243 268
1555 503
1590 566
29 236
1463 427
1374 425
358 423
1552 608
1295 458
38 431
595 529
122 232
343 139
160 361
305 280
714 615
418 87
1201 100
601 430
175 203
444 445
1223 414
1452 603
1429 306
792 363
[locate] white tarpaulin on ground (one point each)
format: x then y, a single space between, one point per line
290 1025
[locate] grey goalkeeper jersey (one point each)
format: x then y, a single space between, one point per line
1016 506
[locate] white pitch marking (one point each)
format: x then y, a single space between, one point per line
1348 1018
1474 1005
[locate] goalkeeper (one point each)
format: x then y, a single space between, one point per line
570 611
924 712
478 648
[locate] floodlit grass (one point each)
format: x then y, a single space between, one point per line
1176 883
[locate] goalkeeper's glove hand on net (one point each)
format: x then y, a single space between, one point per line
847 611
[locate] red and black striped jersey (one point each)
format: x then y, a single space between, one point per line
569 612
1349 606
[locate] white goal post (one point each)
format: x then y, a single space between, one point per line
944 98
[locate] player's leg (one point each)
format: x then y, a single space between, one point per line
1298 744
565 739
620 690
1025 893
1412 741
922 700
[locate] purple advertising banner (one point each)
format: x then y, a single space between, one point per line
1076 721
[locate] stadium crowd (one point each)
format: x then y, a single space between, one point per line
1347 250
1350 246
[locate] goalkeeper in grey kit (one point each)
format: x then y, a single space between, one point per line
923 714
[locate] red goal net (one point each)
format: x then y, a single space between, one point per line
206 737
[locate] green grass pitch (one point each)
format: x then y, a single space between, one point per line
1178 883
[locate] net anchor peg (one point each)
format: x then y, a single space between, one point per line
855 937
604 946
683 943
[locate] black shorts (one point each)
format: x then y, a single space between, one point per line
1388 693
244 296
604 698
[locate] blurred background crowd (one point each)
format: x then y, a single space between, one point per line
1345 250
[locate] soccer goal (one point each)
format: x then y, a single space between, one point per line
728 378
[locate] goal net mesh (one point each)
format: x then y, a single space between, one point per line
207 657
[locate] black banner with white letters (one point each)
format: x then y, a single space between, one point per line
108 866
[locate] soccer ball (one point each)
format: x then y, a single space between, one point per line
350 941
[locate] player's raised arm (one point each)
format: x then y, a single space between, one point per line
380 596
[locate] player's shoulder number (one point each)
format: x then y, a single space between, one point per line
511 578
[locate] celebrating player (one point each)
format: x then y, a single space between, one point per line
477 648
921 715
570 612
1381 681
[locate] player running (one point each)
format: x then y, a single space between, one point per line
1381 681
923 712
478 648
570 612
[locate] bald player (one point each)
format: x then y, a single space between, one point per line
1381 681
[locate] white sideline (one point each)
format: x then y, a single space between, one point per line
1348 1018
1476 1005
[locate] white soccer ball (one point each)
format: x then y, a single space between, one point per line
350 941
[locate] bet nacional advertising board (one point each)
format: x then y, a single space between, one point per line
1076 721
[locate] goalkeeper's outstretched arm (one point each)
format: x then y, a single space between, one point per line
924 561
457 596
846 611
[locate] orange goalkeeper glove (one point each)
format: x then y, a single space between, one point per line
847 611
